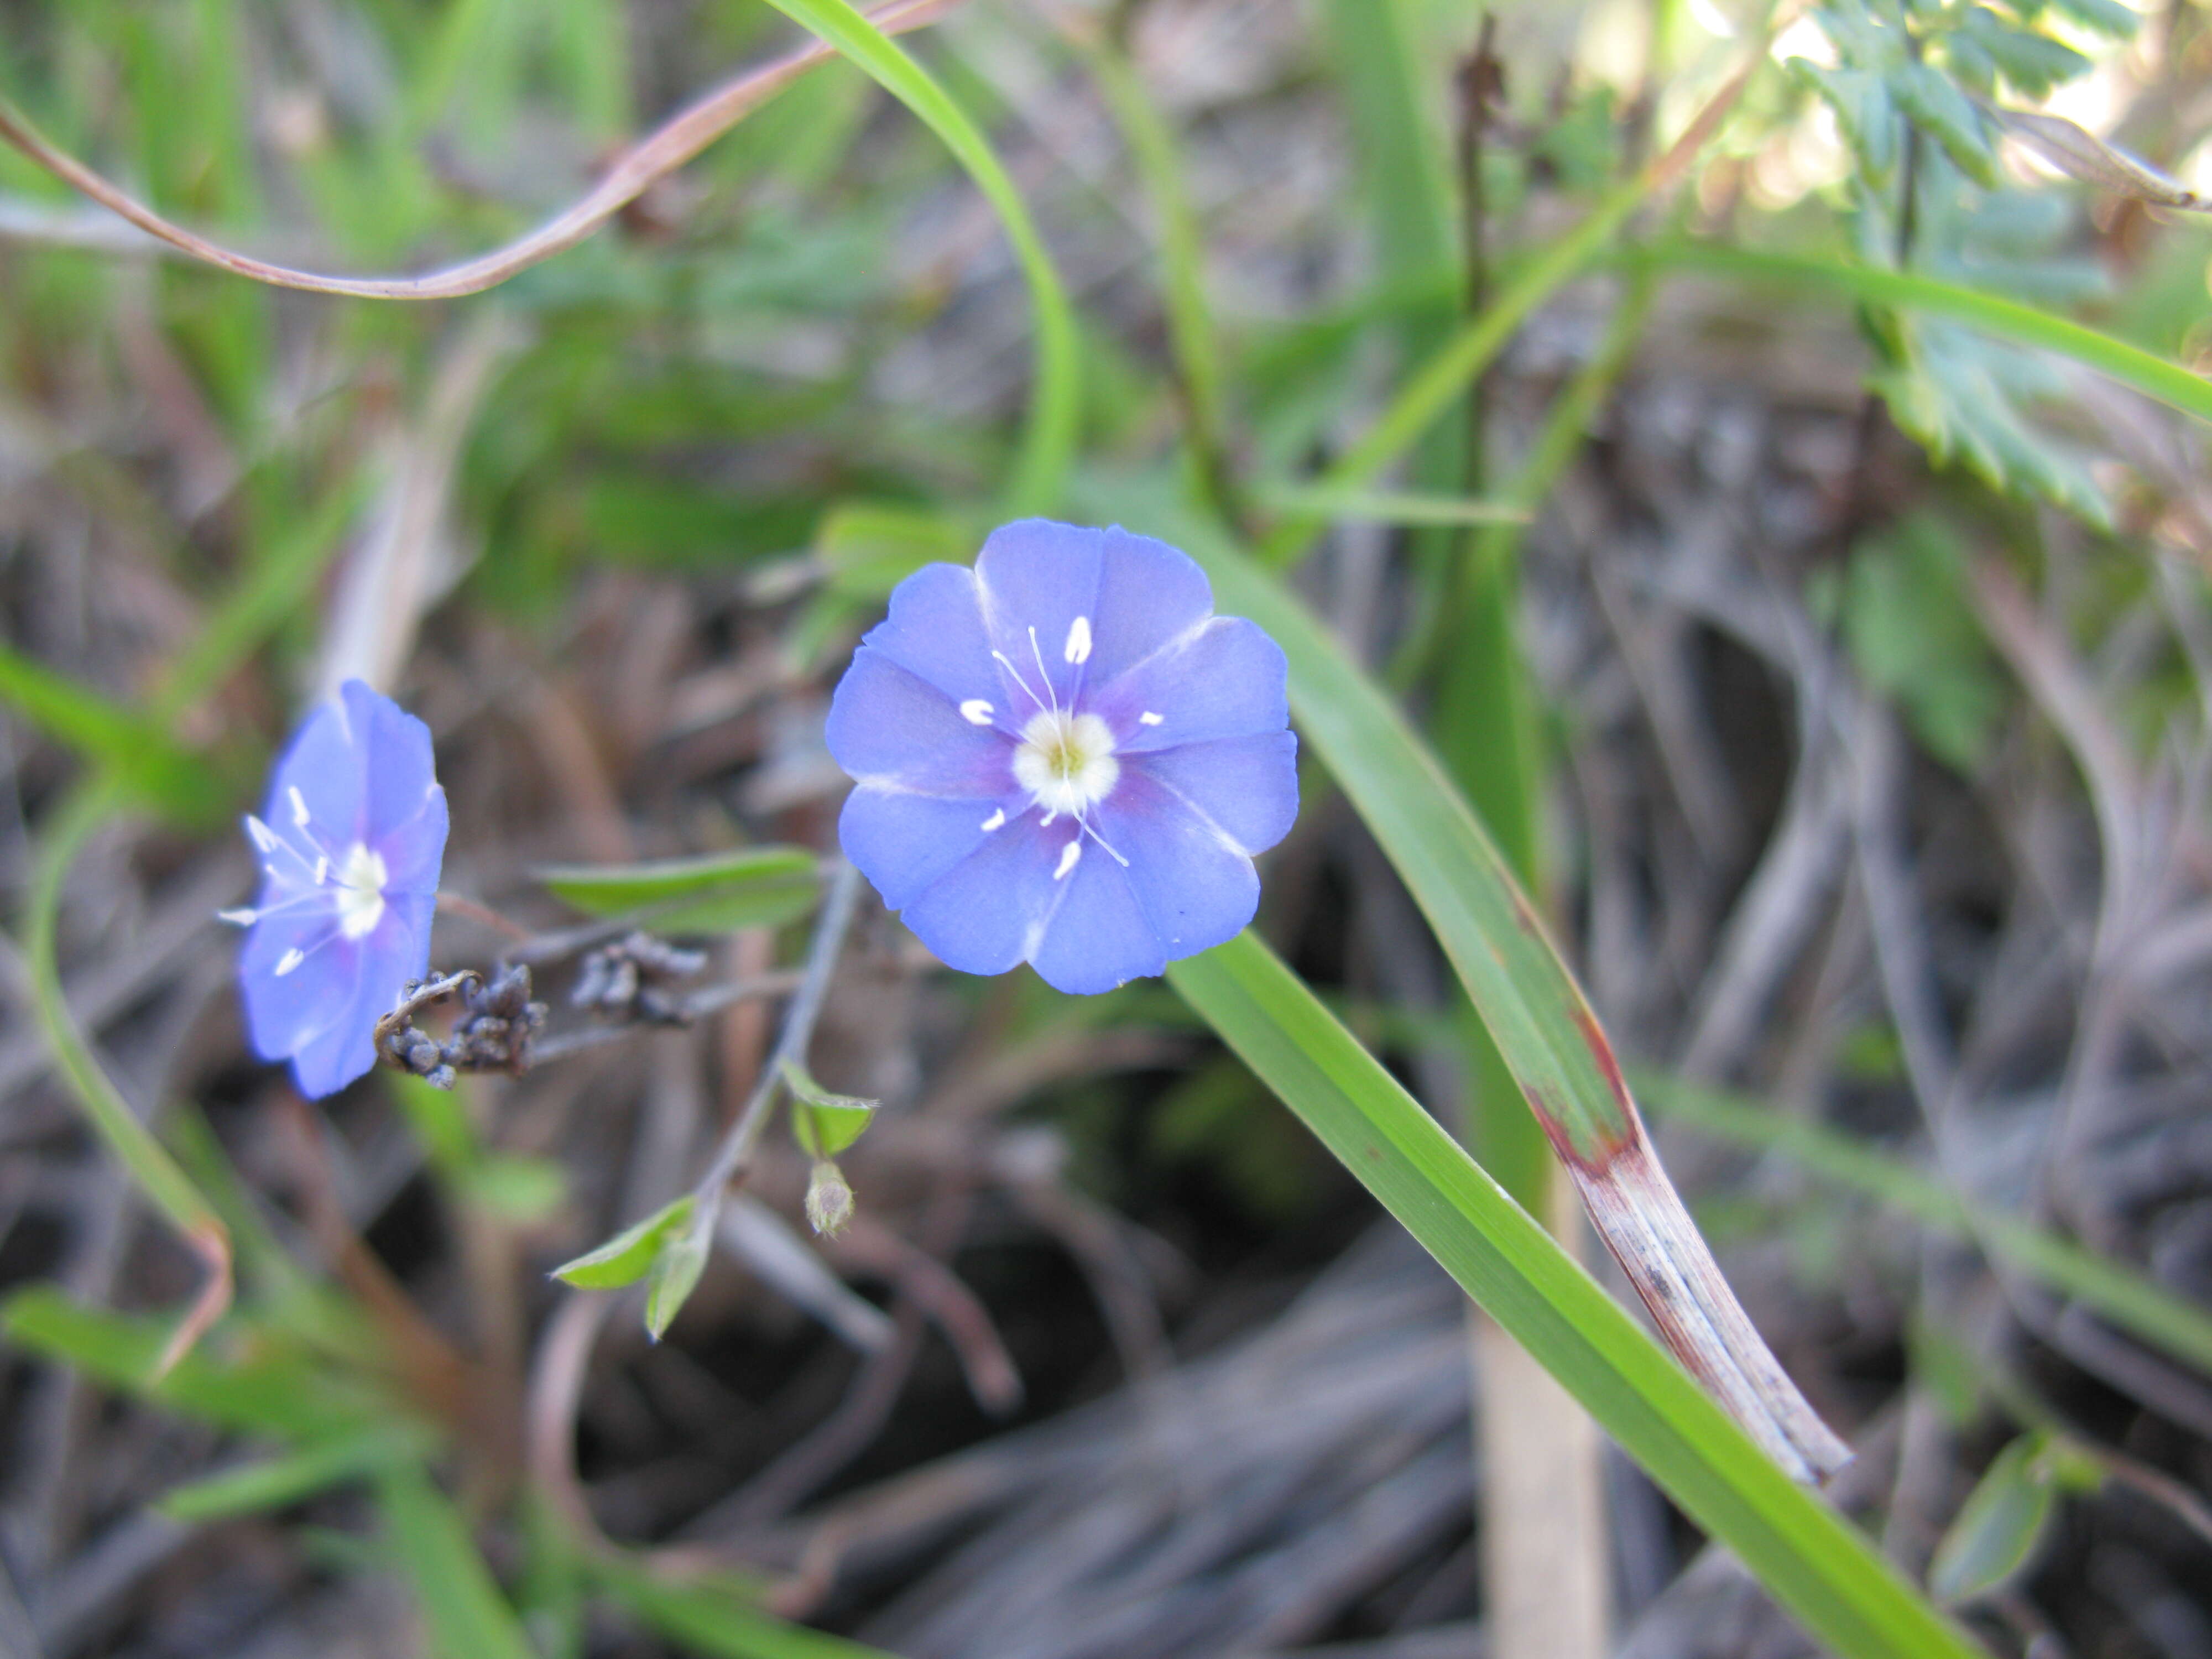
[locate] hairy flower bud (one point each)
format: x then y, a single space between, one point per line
828 1199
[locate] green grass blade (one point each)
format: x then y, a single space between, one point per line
2115 1291
715 1617
749 887
1994 313
157 1174
1442 380
1055 404
1399 507
138 751
467 1616
1812 1560
274 1482
1183 255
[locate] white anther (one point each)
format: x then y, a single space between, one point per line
1150 718
300 815
263 836
1078 640
322 871
976 712
244 916
289 961
997 820
1068 855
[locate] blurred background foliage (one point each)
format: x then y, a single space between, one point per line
1839 669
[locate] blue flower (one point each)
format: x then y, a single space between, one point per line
351 842
1064 757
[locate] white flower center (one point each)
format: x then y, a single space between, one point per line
1065 762
359 896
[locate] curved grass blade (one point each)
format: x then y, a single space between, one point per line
1529 1002
1812 1560
2148 374
159 1177
1048 447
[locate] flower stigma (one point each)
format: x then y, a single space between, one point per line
1065 762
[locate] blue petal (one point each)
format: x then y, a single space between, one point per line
284 1013
399 950
888 724
1149 595
1247 787
1196 886
1100 936
1226 679
935 632
404 810
903 841
1038 577
323 763
985 915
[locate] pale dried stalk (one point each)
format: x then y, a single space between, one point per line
640 167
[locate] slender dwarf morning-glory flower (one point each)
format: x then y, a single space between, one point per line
1064 757
349 843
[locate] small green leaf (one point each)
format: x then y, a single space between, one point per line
1946 114
676 1270
629 1254
1864 114
274 1482
824 1124
2106 17
1913 635
752 887
2033 62
1999 1527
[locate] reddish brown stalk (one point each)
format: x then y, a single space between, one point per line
1644 1222
641 167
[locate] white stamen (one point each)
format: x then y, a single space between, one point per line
302 817
1006 663
291 959
1150 718
263 837
1068 855
1037 650
322 871
245 916
997 820
1078 640
976 712
1103 842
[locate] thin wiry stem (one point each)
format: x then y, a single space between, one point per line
732 1158
643 165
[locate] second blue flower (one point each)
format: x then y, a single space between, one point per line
1064 757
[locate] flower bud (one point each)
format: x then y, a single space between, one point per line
828 1199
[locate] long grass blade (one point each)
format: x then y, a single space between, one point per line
1055 404
1812 1560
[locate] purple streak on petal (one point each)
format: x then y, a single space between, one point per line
982 914
1099 936
1036 574
1248 786
888 724
1196 888
1227 680
1149 595
902 842
935 632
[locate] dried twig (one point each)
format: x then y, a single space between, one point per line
645 164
